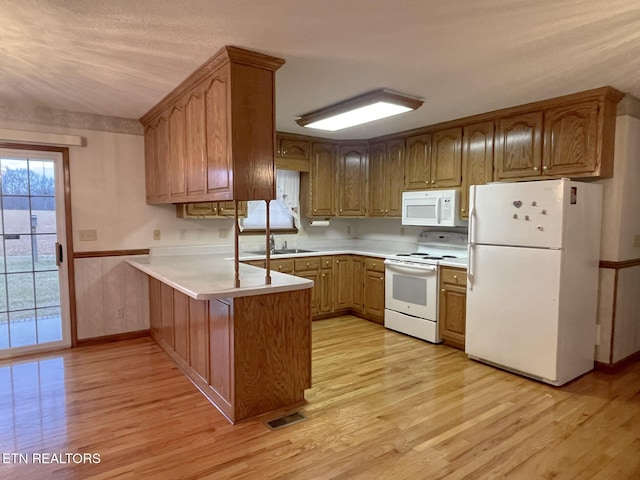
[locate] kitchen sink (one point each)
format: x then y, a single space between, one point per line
283 251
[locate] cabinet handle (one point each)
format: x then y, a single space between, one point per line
462 210
340 210
307 264
443 290
324 274
279 267
544 167
455 277
433 182
315 210
535 169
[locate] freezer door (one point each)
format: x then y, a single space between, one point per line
512 309
527 214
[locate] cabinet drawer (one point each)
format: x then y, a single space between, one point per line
453 277
282 266
375 264
327 262
307 264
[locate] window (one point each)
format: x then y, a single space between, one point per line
283 211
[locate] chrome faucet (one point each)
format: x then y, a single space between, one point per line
272 243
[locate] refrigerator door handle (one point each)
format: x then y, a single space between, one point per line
471 243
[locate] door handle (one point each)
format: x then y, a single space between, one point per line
59 254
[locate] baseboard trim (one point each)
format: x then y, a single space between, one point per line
118 337
619 365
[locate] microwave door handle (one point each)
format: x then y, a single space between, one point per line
438 211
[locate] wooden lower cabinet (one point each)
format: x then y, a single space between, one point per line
453 306
374 290
248 355
342 283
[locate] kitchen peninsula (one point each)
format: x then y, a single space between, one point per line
247 349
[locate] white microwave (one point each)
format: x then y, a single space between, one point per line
431 208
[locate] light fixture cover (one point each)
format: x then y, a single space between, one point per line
358 110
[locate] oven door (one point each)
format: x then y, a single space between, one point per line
411 288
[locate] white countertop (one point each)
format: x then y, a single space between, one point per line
206 272
211 275
367 248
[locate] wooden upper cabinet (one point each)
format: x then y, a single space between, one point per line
317 188
150 161
218 164
518 146
163 162
351 182
206 149
377 180
293 152
571 139
394 177
477 160
177 160
196 143
446 158
417 170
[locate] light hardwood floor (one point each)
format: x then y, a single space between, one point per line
382 406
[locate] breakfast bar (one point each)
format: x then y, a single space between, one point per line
247 349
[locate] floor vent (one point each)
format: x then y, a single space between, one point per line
286 421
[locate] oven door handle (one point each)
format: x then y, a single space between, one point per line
393 266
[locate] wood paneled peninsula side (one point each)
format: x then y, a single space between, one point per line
247 349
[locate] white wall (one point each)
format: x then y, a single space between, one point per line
621 203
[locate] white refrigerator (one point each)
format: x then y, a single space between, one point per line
532 291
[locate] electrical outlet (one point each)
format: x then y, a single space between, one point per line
636 241
88 235
156 234
402 231
348 229
119 312
223 233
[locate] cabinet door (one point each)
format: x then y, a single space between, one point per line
293 148
394 178
452 316
477 160
155 306
326 291
150 163
571 139
343 278
377 180
352 181
357 283
181 325
446 158
374 296
178 167
218 167
198 338
163 158
417 169
196 141
166 322
518 146
316 291
221 350
322 179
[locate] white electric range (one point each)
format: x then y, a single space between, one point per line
411 283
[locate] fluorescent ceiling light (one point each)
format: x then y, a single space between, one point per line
362 109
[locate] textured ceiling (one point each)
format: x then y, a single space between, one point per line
120 57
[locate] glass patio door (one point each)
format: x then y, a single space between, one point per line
34 313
